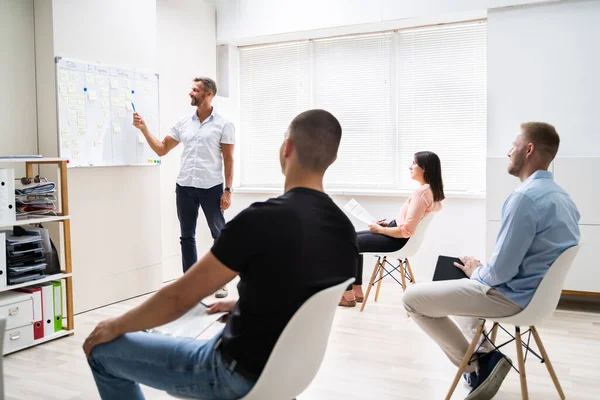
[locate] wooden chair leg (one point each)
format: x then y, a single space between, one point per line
373 275
542 349
402 276
494 333
522 375
410 273
465 361
380 279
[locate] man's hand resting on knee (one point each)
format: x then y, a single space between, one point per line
222 306
105 331
469 264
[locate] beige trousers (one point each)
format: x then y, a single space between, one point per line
430 304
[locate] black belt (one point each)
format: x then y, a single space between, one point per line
233 364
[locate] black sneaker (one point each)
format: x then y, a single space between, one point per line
493 368
471 379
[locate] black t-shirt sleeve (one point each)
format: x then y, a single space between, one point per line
240 240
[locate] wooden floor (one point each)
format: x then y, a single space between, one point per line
377 354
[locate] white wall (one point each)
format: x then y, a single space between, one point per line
186 48
17 79
115 211
238 20
543 64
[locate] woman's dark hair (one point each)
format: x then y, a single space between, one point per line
430 162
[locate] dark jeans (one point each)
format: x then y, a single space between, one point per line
189 200
371 243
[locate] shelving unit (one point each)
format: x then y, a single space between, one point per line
62 218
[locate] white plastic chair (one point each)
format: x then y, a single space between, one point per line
409 250
299 351
541 307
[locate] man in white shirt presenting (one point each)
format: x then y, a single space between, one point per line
208 141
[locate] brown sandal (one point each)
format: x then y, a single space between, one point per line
347 303
359 299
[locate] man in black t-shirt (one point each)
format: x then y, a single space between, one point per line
299 244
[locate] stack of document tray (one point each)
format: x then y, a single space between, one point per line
25 259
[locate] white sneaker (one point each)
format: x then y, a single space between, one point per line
222 293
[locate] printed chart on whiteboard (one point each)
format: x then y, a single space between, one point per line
95 106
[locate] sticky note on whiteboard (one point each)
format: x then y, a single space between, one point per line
101 81
129 107
90 77
141 138
72 88
64 75
116 128
92 95
64 131
114 83
98 142
72 121
105 114
82 131
74 76
64 98
121 113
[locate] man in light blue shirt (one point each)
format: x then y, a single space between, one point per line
539 222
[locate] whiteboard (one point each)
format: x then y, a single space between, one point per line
95 113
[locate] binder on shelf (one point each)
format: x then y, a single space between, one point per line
7 197
57 291
38 319
3 259
48 308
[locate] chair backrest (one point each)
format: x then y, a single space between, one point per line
547 295
299 351
414 243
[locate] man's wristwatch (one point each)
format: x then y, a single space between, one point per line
228 190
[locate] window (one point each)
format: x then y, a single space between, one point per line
274 89
395 93
441 101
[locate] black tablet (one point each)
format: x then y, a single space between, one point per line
446 270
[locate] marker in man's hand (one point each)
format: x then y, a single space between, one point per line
132 105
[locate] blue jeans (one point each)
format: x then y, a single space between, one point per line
181 366
189 200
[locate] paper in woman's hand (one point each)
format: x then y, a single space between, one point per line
355 209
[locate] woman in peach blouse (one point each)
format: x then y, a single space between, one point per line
388 237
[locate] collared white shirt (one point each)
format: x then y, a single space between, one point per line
202 160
